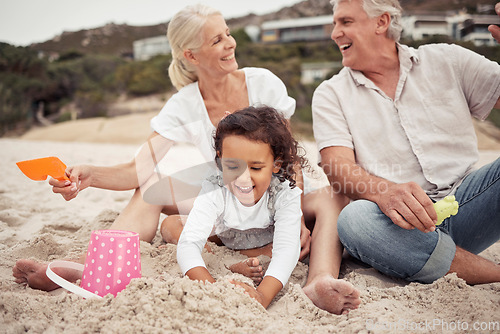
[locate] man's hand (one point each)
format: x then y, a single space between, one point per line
495 30
408 206
305 240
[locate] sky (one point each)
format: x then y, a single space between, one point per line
23 22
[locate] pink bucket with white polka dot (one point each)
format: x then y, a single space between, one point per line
113 259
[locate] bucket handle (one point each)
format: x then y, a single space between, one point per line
66 284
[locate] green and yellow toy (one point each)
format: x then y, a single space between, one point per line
445 208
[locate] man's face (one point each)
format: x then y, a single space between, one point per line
354 33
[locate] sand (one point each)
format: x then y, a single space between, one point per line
37 224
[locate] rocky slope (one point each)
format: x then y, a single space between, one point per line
117 39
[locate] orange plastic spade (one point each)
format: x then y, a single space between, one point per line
39 169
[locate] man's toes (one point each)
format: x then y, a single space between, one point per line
355 293
351 306
354 300
344 288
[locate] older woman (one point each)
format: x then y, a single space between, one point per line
209 83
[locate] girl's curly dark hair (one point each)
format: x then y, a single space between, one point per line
266 125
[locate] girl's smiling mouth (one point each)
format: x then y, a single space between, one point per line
244 190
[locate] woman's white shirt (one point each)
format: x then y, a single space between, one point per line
184 118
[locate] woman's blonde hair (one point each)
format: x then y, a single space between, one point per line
184 33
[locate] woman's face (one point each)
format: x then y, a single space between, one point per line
216 55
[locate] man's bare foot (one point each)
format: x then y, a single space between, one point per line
333 295
33 274
250 268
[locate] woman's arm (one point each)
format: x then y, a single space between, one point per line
126 176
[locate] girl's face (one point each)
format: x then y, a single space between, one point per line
216 55
247 168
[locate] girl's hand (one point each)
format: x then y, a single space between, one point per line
250 291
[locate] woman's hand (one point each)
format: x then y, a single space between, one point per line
305 240
79 179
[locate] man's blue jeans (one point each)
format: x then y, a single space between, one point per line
370 236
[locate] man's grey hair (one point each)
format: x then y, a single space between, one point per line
374 8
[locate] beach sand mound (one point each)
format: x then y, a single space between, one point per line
163 301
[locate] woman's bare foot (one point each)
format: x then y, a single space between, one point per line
250 268
33 274
333 295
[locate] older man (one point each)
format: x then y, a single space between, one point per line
395 134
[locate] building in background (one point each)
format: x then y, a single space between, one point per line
459 26
147 48
421 26
317 72
416 26
475 29
253 31
297 30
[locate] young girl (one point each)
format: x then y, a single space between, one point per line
253 207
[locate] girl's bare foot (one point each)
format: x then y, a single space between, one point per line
33 274
333 295
250 268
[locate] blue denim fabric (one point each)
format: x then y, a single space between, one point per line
370 236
